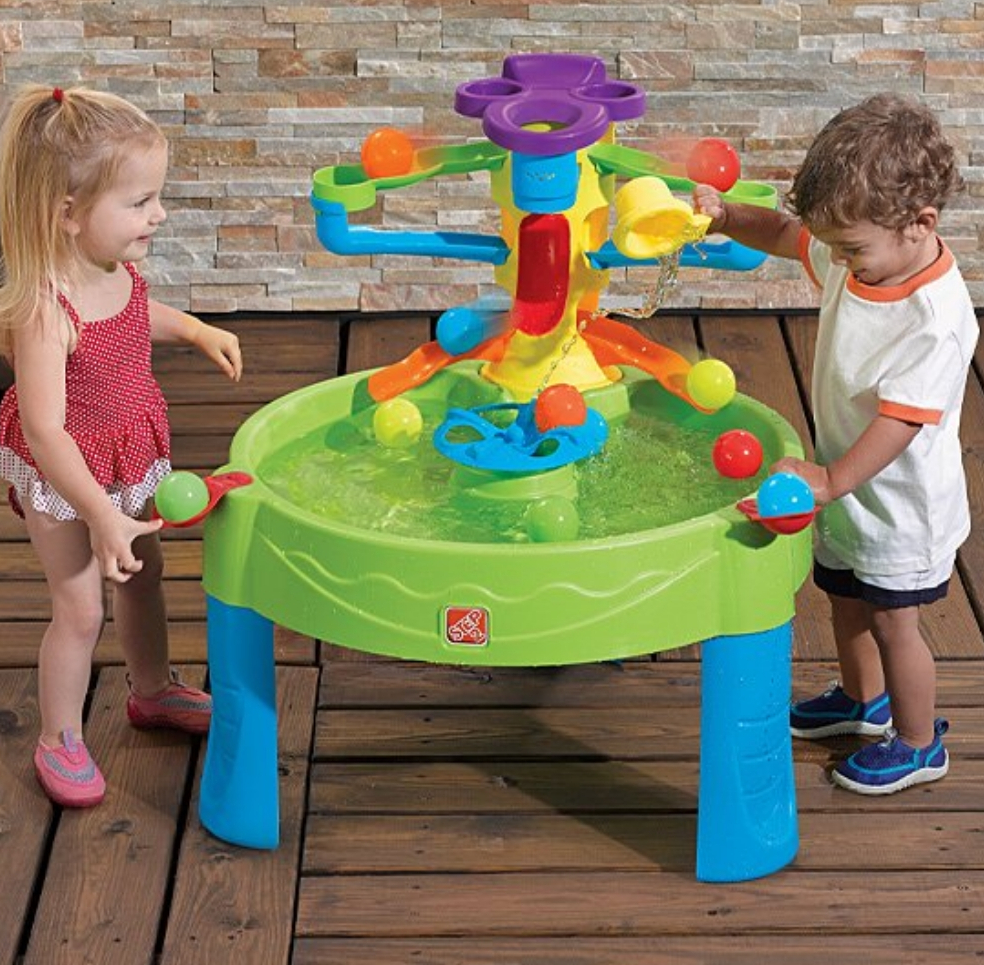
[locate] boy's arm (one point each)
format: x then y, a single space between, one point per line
168 324
881 443
763 229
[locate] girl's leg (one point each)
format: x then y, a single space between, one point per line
156 698
77 613
910 672
862 674
141 619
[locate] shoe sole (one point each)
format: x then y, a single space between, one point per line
861 727
925 775
141 722
57 797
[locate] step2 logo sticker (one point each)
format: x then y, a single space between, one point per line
466 626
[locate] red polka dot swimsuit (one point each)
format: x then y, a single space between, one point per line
114 410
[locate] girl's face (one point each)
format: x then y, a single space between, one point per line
880 256
119 226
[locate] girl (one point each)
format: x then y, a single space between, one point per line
84 437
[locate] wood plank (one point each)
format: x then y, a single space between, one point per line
182 559
233 904
380 341
25 813
103 903
19 642
640 903
701 949
675 330
30 600
611 787
255 388
486 844
971 555
631 684
267 342
621 733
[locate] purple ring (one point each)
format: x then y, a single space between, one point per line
582 123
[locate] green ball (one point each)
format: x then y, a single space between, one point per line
553 519
181 496
397 423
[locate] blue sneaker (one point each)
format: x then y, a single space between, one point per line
892 765
833 712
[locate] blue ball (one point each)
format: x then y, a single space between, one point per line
784 494
460 329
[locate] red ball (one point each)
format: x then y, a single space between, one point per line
714 162
387 153
559 405
737 454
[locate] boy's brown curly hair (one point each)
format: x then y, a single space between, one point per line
882 161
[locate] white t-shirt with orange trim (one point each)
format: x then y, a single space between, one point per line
901 351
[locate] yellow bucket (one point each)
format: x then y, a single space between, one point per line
651 222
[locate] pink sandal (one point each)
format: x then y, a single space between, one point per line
68 774
177 706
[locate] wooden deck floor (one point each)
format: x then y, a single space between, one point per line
454 817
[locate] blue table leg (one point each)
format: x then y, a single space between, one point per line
746 810
239 800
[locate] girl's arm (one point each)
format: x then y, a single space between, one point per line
40 351
884 440
170 325
764 229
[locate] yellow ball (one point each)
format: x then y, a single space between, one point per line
397 423
711 384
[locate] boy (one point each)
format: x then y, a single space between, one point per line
896 337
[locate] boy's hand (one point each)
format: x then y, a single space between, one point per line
222 348
708 201
816 477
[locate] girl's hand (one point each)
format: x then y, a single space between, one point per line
221 347
708 201
816 477
111 537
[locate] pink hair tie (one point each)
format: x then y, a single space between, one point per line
58 94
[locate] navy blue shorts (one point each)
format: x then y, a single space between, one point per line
845 583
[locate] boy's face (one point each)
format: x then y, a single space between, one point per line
880 256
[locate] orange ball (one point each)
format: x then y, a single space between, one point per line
387 153
559 405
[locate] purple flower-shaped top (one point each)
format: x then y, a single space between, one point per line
547 104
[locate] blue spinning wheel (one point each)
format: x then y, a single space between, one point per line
468 437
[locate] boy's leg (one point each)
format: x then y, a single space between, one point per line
910 672
77 613
913 752
858 654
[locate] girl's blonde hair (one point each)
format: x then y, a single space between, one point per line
54 145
